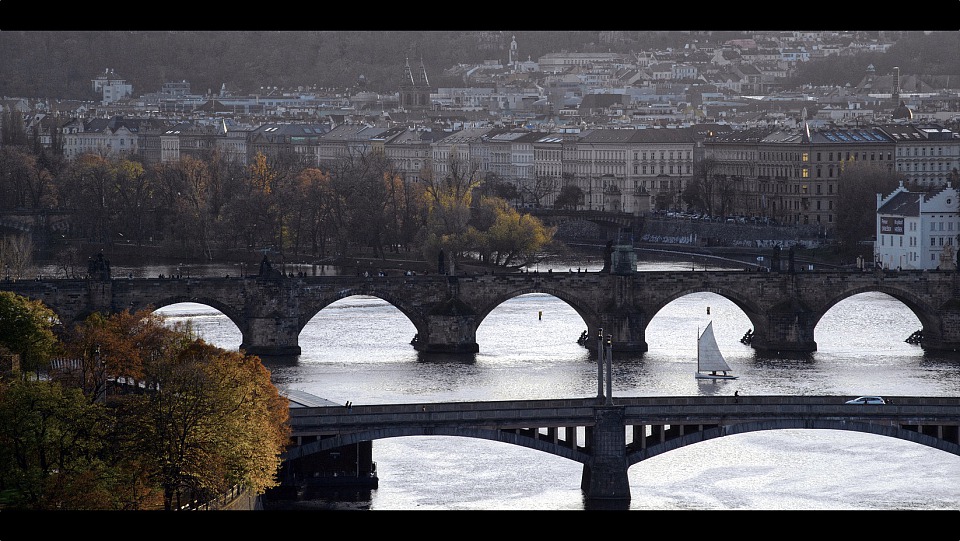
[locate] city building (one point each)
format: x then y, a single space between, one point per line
111 87
918 230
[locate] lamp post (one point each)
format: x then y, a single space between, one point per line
609 357
600 363
101 376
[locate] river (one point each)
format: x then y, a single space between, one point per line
358 349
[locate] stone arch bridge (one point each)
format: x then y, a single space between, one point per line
271 311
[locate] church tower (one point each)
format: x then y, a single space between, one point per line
414 87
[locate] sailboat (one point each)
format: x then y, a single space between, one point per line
710 362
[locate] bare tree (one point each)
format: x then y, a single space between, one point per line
16 255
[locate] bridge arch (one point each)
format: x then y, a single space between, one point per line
311 309
637 456
508 437
233 315
929 316
579 305
744 303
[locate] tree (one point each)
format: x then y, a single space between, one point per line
316 211
858 186
570 197
541 187
135 192
120 345
16 255
703 190
513 238
88 187
52 443
449 200
212 420
494 186
27 329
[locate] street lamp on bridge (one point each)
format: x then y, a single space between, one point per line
604 356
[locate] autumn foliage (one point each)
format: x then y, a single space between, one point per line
146 414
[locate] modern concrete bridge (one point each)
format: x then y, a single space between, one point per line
609 436
783 307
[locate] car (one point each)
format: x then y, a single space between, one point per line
866 400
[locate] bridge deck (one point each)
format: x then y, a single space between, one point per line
303 399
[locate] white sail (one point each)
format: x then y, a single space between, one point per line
709 357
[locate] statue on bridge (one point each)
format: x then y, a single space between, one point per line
607 256
267 270
98 268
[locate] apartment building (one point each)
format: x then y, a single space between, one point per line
106 137
409 150
793 175
927 154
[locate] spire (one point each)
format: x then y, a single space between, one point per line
407 79
422 75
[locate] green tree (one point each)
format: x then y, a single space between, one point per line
52 442
27 329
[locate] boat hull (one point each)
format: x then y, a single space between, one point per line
709 376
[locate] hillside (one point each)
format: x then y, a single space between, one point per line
61 64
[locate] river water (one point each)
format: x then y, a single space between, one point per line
358 349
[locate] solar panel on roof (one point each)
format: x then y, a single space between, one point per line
830 137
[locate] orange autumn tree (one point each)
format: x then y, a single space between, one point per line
116 346
214 420
199 419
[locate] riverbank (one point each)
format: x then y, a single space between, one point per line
127 256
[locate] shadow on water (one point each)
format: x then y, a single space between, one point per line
322 498
446 358
591 504
794 359
280 361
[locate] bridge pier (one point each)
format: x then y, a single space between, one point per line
272 336
626 330
605 480
451 332
785 331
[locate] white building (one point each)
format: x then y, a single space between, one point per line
111 87
917 231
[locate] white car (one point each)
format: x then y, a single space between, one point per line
866 400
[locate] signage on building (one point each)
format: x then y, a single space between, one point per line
891 226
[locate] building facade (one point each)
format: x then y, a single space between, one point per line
917 230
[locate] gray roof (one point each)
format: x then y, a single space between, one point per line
902 204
